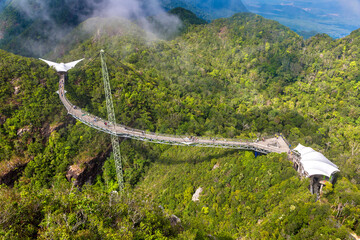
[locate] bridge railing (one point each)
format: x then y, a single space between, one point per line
109 128
286 141
142 133
186 138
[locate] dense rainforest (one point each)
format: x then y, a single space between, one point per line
240 77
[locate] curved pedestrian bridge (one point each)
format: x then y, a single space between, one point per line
315 165
268 145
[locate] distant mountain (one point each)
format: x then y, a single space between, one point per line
186 16
208 9
34 28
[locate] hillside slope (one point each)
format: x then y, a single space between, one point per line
242 196
241 77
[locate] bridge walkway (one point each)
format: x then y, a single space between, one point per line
277 145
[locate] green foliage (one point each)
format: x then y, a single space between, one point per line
65 212
239 77
242 77
245 197
27 102
187 18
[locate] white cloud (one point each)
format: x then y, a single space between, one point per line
140 10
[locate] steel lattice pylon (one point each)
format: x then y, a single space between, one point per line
112 122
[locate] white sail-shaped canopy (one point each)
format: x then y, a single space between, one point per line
315 163
61 67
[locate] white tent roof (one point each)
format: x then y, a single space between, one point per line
62 67
315 163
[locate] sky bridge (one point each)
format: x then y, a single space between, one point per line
307 161
277 145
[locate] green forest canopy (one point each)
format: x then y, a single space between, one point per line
239 77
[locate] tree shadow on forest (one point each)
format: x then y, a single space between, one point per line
196 158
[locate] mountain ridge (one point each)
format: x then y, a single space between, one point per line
241 77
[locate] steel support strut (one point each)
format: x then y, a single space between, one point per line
112 122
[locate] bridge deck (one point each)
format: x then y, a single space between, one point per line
277 145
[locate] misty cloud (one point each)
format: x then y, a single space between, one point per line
51 20
140 10
72 12
127 9
32 9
